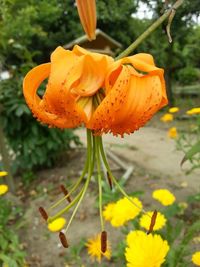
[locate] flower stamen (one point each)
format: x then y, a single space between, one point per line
65 192
43 213
153 221
109 180
63 240
103 241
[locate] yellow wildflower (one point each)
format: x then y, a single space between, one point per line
3 173
193 111
3 189
173 110
108 211
196 258
164 196
142 249
94 248
172 132
167 117
145 221
122 211
57 224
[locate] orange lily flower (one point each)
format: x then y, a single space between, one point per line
87 14
74 76
104 95
91 89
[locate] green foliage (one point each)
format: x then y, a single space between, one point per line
189 143
35 28
184 50
192 152
44 24
10 250
115 18
188 75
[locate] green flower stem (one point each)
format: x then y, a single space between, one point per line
113 179
70 192
88 167
152 28
71 204
91 152
74 187
99 182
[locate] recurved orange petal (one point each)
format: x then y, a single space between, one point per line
87 14
145 63
92 76
41 108
106 114
133 95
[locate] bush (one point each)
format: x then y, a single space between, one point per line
11 253
188 75
33 144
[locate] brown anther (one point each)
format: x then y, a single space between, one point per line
109 181
65 192
103 241
63 240
43 213
153 221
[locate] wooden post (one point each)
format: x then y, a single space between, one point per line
6 159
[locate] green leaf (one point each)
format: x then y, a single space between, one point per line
19 111
191 152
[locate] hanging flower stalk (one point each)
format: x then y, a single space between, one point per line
103 94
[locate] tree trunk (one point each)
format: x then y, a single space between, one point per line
6 160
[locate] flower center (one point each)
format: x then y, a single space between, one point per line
90 103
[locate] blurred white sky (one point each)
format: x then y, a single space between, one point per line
145 12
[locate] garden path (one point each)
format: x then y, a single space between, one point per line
152 150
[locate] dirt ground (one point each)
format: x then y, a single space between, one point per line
156 165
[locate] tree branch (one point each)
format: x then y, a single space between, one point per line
152 28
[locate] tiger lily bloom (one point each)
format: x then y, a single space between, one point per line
104 95
91 89
87 14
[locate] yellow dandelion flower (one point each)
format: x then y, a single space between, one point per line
94 248
167 117
193 111
173 110
3 173
142 249
108 211
57 224
3 189
145 221
124 211
164 196
196 258
172 132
